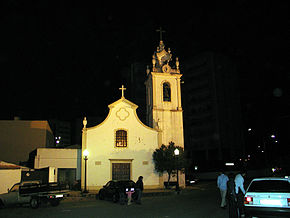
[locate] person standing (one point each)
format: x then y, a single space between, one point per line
231 197
139 189
222 185
240 192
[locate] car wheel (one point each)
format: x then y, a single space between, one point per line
1 204
116 197
54 202
34 203
101 196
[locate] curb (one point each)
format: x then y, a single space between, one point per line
153 194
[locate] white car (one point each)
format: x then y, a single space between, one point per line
268 197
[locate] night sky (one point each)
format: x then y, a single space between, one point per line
64 61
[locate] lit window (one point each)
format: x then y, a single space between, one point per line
166 92
121 138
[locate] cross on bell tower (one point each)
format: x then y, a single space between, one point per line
160 32
123 89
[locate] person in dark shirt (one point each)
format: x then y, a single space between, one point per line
232 197
139 189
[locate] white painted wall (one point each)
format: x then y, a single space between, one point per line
52 174
58 158
9 177
169 115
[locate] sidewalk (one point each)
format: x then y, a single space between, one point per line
79 196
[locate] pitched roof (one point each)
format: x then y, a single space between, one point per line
5 165
123 99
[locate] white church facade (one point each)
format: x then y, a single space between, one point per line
121 147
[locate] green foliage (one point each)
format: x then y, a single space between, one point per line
166 161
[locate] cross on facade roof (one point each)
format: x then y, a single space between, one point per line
160 31
122 90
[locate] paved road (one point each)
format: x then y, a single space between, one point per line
199 202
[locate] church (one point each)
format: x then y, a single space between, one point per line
121 147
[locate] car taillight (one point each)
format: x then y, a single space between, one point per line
248 200
288 199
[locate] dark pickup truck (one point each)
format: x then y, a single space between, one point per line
33 193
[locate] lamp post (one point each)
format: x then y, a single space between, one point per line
176 153
86 154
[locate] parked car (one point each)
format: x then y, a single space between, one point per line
115 190
33 193
190 180
268 197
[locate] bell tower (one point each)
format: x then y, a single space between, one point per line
163 96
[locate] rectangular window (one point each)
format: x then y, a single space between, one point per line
121 171
121 138
270 186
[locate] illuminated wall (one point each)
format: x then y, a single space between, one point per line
19 137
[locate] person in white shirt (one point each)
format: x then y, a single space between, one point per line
239 181
222 185
240 191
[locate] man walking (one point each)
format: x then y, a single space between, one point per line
240 192
232 197
222 185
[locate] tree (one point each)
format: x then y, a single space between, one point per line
165 160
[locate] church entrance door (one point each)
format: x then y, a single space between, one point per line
121 171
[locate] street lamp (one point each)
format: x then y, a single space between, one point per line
176 153
86 154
